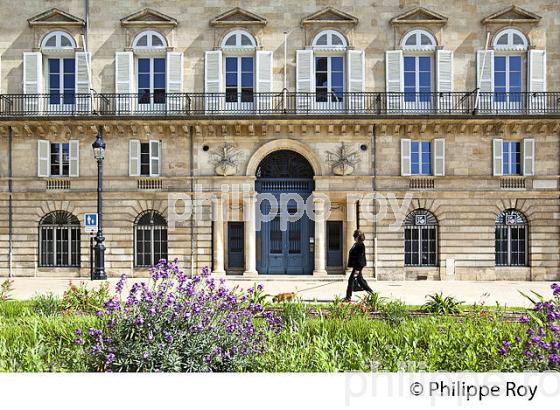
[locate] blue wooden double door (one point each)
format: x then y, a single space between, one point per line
284 244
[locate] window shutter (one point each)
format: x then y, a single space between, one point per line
264 80
485 71
43 158
536 79
528 156
439 157
74 158
155 154
444 62
133 158
394 79
356 81
32 80
83 81
123 80
174 86
213 80
498 152
305 79
405 157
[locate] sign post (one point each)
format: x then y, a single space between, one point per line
90 222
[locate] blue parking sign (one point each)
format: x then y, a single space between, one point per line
90 222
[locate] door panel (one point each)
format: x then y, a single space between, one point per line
236 245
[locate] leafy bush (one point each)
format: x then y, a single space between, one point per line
46 305
394 312
6 289
178 324
340 309
80 299
372 301
539 346
293 313
442 305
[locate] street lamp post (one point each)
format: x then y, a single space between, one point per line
99 154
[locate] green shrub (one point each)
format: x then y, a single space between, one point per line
15 309
46 305
340 309
394 312
80 299
372 301
442 305
293 313
6 289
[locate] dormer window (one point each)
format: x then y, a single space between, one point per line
418 59
329 47
239 49
150 48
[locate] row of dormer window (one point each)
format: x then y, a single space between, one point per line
327 70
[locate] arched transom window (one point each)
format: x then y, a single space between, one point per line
511 239
59 240
58 40
150 238
510 39
239 39
420 239
329 39
149 39
418 40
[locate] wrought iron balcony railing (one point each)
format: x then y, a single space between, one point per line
285 103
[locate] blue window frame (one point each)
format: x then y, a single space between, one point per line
507 78
62 80
417 78
420 158
329 79
151 80
511 158
240 79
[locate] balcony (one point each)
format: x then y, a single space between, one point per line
283 104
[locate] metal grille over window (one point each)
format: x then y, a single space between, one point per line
150 238
59 240
511 239
420 239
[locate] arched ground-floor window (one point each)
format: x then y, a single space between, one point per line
420 239
59 240
150 238
511 239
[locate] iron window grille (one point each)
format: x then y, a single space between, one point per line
420 239
59 240
150 239
511 239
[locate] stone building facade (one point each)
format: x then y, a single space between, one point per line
449 115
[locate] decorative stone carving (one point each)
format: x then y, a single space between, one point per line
226 160
343 160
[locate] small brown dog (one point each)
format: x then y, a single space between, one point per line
284 297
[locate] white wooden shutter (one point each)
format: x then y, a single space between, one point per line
485 70
536 79
134 158
394 79
43 158
74 158
356 79
305 79
32 81
438 157
444 63
264 80
155 158
174 86
213 80
498 153
529 156
405 157
83 81
123 80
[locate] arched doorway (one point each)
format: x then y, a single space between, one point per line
285 248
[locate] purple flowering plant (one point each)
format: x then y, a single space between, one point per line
539 346
178 324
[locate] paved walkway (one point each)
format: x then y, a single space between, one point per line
325 290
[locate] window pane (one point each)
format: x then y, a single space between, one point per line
245 40
424 63
143 65
409 64
337 64
247 64
499 63
159 65
321 64
515 63
231 64
145 158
